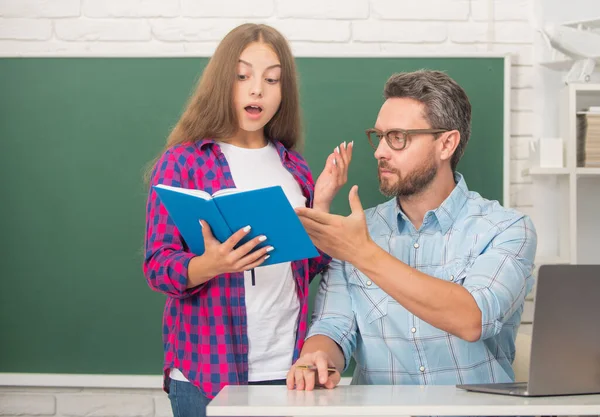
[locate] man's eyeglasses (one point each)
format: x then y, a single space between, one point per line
396 138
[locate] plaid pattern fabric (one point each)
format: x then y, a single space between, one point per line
204 328
468 240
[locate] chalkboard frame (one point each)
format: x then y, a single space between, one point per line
155 381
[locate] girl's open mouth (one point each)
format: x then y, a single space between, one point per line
254 110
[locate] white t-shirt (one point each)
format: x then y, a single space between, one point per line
272 305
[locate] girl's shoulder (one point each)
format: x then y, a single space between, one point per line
188 154
192 163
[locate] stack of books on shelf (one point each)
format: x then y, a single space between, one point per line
588 137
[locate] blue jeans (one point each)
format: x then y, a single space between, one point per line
188 401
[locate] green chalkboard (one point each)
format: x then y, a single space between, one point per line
75 136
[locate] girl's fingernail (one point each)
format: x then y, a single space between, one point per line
337 149
247 228
351 143
267 257
334 162
262 238
270 248
344 144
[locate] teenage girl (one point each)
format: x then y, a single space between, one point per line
240 129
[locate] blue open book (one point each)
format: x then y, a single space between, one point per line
266 210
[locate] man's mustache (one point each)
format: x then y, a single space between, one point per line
384 165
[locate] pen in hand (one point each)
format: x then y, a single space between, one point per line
314 368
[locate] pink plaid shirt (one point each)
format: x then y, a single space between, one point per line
204 328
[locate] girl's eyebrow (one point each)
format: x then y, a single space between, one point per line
250 65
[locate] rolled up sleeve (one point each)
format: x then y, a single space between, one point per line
502 276
333 315
167 259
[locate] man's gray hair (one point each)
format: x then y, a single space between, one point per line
446 103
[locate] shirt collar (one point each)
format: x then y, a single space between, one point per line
283 152
447 213
200 144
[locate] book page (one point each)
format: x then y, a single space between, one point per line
226 191
198 193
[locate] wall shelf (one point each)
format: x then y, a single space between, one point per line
567 199
545 171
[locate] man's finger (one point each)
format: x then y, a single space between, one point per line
317 216
355 204
309 380
290 380
322 371
329 384
315 230
333 380
299 379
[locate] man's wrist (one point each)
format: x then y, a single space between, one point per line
365 255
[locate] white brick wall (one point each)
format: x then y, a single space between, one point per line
84 30
130 8
323 9
183 29
506 15
227 8
25 29
314 30
501 10
83 402
106 404
404 32
18 404
314 27
40 8
442 10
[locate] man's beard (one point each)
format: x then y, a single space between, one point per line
413 184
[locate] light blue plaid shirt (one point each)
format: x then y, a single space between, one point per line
468 240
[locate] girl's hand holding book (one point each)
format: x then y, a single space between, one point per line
220 258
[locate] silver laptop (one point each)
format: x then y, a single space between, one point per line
565 343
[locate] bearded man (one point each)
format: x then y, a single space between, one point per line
429 287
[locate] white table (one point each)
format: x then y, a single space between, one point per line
391 400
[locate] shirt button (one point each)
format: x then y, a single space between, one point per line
369 283
416 245
413 330
422 369
451 277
